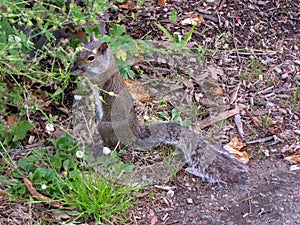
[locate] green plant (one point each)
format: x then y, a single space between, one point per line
97 197
173 16
10 138
176 43
175 117
65 175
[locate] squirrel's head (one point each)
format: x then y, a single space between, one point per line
95 61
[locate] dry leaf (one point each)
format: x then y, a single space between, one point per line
137 91
216 90
162 3
154 220
294 159
3 194
213 87
192 19
11 120
39 98
130 4
235 147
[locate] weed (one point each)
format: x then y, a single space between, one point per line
175 117
176 43
97 197
173 16
57 174
10 137
266 121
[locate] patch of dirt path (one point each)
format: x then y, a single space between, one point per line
271 196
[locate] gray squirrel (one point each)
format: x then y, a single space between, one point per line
118 121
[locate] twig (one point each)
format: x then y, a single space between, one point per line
221 5
249 203
239 124
235 45
262 140
234 94
252 118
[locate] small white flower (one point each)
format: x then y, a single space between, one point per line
18 39
77 97
49 127
106 150
79 154
44 186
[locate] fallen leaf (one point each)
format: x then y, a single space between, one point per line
192 19
235 147
293 158
39 98
162 3
216 90
221 116
3 194
12 119
130 4
137 91
154 220
213 87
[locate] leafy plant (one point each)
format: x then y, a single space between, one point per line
175 117
173 16
175 40
10 138
62 175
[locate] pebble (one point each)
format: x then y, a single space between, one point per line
261 3
282 110
278 70
284 76
270 105
189 201
170 193
230 223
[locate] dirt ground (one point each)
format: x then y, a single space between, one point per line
271 29
271 196
254 48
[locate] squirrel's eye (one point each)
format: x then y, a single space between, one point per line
91 58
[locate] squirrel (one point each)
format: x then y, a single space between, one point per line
119 122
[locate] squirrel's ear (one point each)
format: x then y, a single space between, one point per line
93 37
103 47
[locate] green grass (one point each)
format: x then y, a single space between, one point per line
69 181
96 198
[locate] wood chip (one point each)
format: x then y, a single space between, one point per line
213 119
